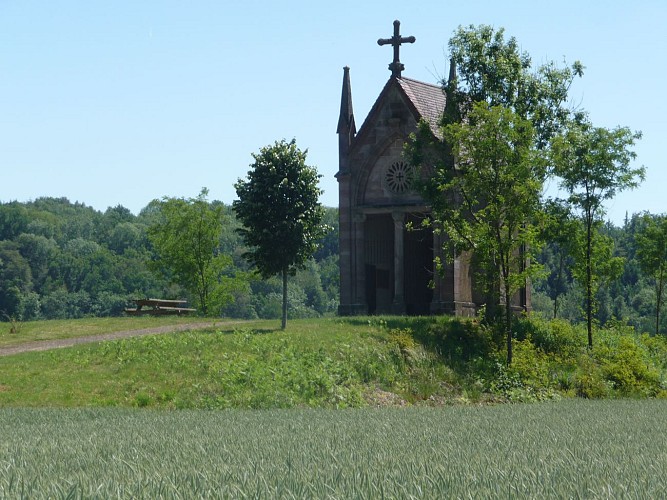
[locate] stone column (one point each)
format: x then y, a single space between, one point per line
398 305
438 303
359 277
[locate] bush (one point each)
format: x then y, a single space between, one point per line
553 354
30 307
403 337
556 336
530 364
625 364
109 304
588 380
461 339
63 305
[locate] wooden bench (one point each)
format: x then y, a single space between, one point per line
158 307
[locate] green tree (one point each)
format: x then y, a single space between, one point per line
494 89
559 230
497 183
40 252
279 207
15 279
593 164
186 237
651 241
595 266
494 70
14 220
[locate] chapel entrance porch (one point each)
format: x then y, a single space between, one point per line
398 264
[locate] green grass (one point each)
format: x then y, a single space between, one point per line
571 449
329 363
31 331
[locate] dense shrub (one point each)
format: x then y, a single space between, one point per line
553 354
625 364
461 340
109 304
530 363
30 307
556 336
588 379
63 305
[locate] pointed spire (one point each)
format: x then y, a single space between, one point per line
346 123
452 71
451 112
346 128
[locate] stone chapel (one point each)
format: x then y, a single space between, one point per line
385 268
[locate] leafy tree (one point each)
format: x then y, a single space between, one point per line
559 229
328 245
15 279
279 207
520 104
125 235
40 252
595 265
497 185
186 237
14 220
593 163
494 70
651 241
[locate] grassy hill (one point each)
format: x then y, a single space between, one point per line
332 363
427 441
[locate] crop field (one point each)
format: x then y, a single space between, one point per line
569 449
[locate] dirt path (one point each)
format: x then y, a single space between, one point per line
44 345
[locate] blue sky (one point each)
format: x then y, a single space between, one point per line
121 102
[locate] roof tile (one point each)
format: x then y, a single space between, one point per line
427 98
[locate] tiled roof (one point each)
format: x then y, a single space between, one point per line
425 100
428 99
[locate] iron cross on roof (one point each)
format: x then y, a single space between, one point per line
396 67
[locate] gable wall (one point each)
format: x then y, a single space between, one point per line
378 145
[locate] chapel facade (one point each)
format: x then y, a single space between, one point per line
385 268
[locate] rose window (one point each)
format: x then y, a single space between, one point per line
398 177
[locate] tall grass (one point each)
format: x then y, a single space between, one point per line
571 449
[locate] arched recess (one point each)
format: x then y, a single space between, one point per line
380 156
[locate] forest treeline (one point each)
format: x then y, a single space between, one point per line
630 298
62 260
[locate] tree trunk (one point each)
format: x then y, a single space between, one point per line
283 324
589 281
508 322
203 295
559 281
658 301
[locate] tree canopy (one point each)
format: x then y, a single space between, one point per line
496 185
494 70
186 238
593 164
278 204
490 72
651 243
488 168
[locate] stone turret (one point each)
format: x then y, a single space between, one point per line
346 127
